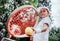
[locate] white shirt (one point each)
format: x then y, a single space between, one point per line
43 36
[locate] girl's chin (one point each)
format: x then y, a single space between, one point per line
42 16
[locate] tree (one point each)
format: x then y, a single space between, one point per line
54 34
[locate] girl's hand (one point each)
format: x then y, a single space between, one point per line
32 28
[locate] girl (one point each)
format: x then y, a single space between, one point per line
42 28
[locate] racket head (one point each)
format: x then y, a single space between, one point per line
20 18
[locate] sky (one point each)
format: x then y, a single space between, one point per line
56 12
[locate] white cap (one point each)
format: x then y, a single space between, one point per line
38 9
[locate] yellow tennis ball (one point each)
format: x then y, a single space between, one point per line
28 31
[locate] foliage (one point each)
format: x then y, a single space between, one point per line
54 34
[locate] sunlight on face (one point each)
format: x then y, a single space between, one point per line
43 12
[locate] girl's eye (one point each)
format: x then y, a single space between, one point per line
43 10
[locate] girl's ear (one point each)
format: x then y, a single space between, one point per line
49 13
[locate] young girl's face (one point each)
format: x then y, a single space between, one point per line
44 12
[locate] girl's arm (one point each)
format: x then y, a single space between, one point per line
44 28
36 21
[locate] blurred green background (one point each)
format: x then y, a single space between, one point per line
7 6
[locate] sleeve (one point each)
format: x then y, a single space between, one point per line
40 25
47 21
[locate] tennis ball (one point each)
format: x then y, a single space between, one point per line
28 31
